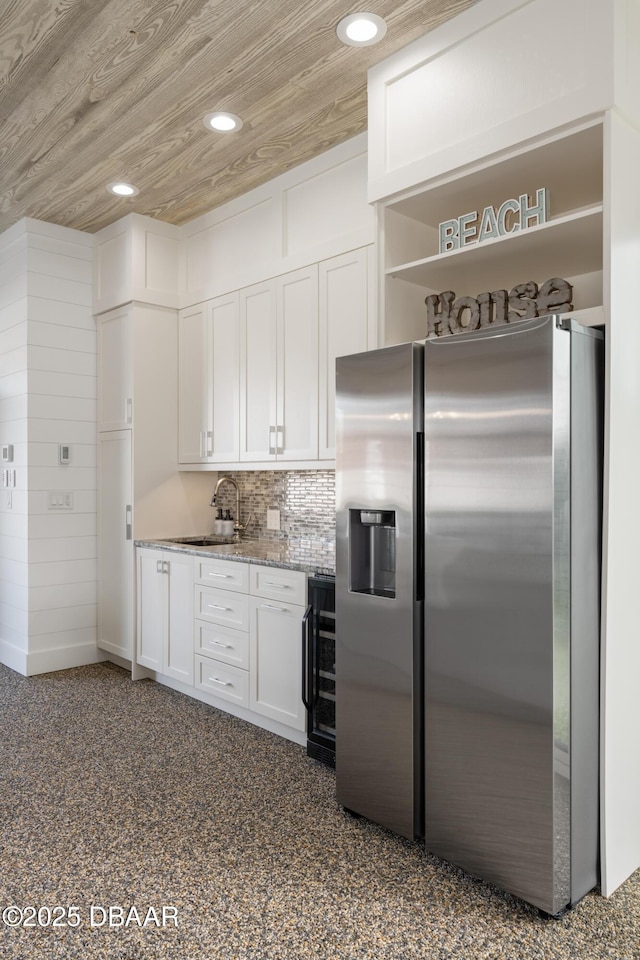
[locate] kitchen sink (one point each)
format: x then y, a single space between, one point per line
202 542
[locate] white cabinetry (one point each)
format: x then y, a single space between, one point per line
208 382
347 324
165 613
115 544
569 245
194 370
258 372
221 631
279 368
115 369
257 367
275 646
140 493
247 637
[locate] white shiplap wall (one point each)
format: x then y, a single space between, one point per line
48 384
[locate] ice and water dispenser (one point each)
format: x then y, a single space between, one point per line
372 552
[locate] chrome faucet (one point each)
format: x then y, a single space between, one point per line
238 527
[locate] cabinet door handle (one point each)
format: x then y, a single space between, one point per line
270 606
159 566
127 522
129 411
280 440
209 444
224 576
272 441
223 683
165 566
306 658
216 606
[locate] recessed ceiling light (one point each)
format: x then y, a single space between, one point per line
122 189
361 29
222 122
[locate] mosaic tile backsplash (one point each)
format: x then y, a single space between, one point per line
305 499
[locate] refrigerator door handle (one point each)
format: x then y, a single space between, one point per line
306 657
419 519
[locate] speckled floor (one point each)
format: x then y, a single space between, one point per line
123 795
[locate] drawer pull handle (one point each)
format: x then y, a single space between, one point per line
223 683
227 646
280 586
217 606
270 606
224 576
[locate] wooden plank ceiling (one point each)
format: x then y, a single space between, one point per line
93 91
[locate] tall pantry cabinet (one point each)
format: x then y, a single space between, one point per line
136 351
456 129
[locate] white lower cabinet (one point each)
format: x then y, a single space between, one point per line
247 637
275 658
165 613
221 629
231 630
224 681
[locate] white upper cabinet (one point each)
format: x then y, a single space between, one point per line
194 371
312 212
347 324
115 369
208 381
257 367
297 370
224 403
501 73
136 258
279 368
258 371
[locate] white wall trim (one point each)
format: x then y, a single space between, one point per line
62 658
13 657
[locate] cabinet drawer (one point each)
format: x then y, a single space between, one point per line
277 584
222 643
225 574
222 607
222 680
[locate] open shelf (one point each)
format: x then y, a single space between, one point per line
562 247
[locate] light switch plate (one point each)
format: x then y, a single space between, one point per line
60 500
273 519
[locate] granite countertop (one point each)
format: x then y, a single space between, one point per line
309 556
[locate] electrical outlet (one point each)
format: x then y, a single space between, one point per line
273 519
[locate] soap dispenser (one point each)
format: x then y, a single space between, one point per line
218 523
227 524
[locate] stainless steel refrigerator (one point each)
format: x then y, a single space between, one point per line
379 585
480 666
